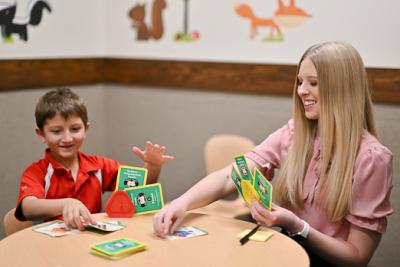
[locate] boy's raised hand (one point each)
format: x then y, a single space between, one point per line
153 155
76 214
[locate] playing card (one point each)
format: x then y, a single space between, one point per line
110 226
264 189
249 193
129 177
147 198
244 169
55 229
183 232
117 248
236 180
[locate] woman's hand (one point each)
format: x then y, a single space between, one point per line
153 155
169 218
278 216
76 214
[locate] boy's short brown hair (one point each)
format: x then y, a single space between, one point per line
59 101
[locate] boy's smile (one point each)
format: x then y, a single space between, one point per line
64 138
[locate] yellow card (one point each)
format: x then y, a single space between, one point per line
249 193
260 236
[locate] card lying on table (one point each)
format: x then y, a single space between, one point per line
104 226
56 229
183 232
117 248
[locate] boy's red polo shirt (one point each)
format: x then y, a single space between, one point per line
46 179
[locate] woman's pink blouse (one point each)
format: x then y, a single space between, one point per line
372 182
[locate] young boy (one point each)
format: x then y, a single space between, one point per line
66 182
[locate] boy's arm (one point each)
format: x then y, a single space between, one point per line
154 158
73 211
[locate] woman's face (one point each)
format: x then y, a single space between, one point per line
307 89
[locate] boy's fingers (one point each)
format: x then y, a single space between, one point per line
162 149
168 157
138 152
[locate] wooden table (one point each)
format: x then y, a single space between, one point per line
219 248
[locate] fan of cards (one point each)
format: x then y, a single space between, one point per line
145 198
251 186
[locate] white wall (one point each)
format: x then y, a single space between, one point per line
100 28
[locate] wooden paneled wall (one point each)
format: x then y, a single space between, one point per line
234 77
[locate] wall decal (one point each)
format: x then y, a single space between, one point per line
156 29
285 16
185 36
12 24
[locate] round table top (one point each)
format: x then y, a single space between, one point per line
219 248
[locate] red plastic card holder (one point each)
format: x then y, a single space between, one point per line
119 205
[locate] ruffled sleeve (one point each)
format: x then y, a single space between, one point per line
372 184
271 151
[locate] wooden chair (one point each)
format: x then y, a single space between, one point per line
219 152
12 224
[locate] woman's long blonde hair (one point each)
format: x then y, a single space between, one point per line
345 110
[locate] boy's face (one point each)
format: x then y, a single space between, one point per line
63 137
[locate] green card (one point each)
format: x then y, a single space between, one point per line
264 189
236 180
244 169
129 177
117 248
147 198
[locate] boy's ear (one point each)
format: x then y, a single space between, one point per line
40 134
87 128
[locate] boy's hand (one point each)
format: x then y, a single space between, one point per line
169 218
75 214
153 155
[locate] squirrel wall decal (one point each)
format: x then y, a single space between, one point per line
138 15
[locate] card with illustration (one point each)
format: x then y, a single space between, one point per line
249 193
243 168
147 198
117 248
110 226
183 232
264 189
56 229
236 180
129 177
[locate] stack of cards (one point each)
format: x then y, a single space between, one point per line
145 198
251 186
117 248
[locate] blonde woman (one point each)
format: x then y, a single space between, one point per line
334 185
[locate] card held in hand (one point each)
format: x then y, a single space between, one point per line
264 189
244 169
147 198
129 177
236 180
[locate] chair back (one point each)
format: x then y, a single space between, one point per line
12 224
221 149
